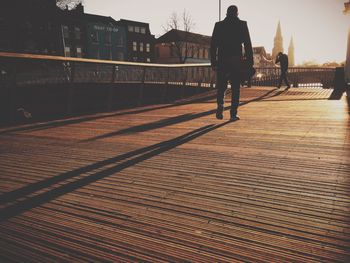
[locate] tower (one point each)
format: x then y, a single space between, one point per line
278 42
291 53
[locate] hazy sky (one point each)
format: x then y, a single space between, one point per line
318 27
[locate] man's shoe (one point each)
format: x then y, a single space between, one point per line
219 114
235 118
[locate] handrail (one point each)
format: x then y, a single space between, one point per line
127 63
123 71
86 60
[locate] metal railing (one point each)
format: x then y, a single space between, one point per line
40 69
56 86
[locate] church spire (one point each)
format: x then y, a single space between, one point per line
291 52
278 42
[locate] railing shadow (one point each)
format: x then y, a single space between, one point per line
60 123
171 121
119 163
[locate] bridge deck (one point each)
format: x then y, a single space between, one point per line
172 183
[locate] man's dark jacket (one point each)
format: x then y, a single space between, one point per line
227 39
283 60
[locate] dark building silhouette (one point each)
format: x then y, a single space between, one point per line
40 27
30 27
139 41
72 32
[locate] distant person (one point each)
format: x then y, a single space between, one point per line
226 58
283 60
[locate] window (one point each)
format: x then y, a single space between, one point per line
120 56
108 38
141 47
94 36
135 59
148 60
134 46
143 30
65 31
79 52
77 32
148 47
137 29
130 28
67 52
120 41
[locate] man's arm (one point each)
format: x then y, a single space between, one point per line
214 47
248 50
277 59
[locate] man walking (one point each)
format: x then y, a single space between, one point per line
227 60
283 60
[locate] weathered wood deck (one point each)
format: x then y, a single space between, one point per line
170 183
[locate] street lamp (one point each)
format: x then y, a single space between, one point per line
347 62
347 8
219 10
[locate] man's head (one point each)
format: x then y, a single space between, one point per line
279 54
232 10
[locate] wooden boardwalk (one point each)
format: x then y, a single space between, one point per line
170 183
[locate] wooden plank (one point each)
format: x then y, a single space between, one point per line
173 184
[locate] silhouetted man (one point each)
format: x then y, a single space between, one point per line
226 58
283 60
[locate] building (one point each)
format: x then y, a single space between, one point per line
261 58
278 42
30 27
291 53
73 34
139 41
177 46
105 39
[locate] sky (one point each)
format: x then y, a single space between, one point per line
319 27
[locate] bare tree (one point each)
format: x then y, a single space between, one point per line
183 25
68 4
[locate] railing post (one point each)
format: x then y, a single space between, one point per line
184 81
8 90
111 89
140 100
166 86
339 83
70 72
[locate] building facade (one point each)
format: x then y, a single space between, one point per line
105 39
73 32
177 46
261 58
139 41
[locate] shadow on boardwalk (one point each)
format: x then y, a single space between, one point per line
174 120
58 123
127 160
